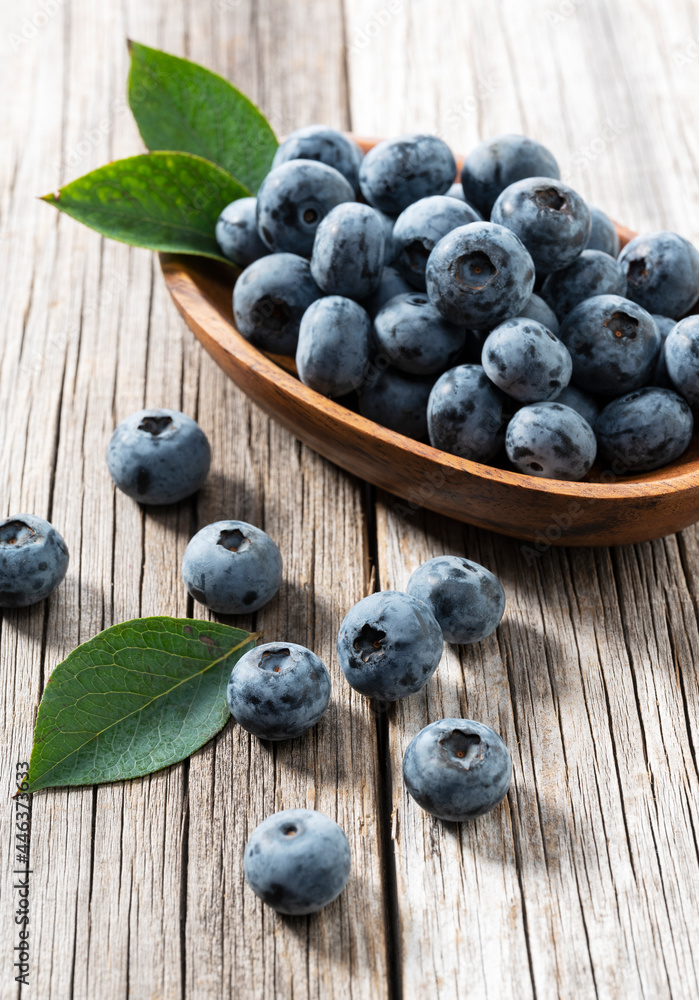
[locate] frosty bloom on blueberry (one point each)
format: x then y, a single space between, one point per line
232 567
158 456
33 560
297 861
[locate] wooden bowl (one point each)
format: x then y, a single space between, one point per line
544 512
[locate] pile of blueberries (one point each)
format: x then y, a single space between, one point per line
388 647
525 339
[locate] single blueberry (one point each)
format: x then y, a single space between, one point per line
232 567
551 441
292 201
33 560
479 274
644 430
603 235
279 690
500 161
158 456
269 299
592 273
526 360
397 401
236 232
467 599
297 861
333 348
662 271
420 227
682 358
613 342
465 414
327 145
397 172
457 769
389 645
412 334
536 308
348 252
548 216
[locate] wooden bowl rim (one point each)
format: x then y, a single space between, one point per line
624 488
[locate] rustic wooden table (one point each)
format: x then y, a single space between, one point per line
584 883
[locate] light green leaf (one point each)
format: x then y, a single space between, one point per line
136 698
180 105
162 201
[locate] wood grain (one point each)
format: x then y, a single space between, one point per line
584 883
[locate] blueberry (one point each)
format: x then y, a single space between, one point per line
327 145
660 376
580 401
397 401
465 415
392 283
613 342
551 441
348 253
498 162
457 769
33 560
549 217
420 227
232 567
269 299
333 348
297 861
158 456
536 308
293 199
466 598
236 232
644 430
278 691
397 172
389 645
457 191
526 360
682 358
603 235
592 273
414 336
662 270
479 274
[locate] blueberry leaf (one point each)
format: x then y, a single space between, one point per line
134 699
180 105
161 201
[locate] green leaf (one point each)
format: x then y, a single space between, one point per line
180 105
136 698
161 201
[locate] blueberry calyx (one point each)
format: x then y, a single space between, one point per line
369 643
550 198
464 747
475 270
622 325
275 660
234 540
155 425
15 533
